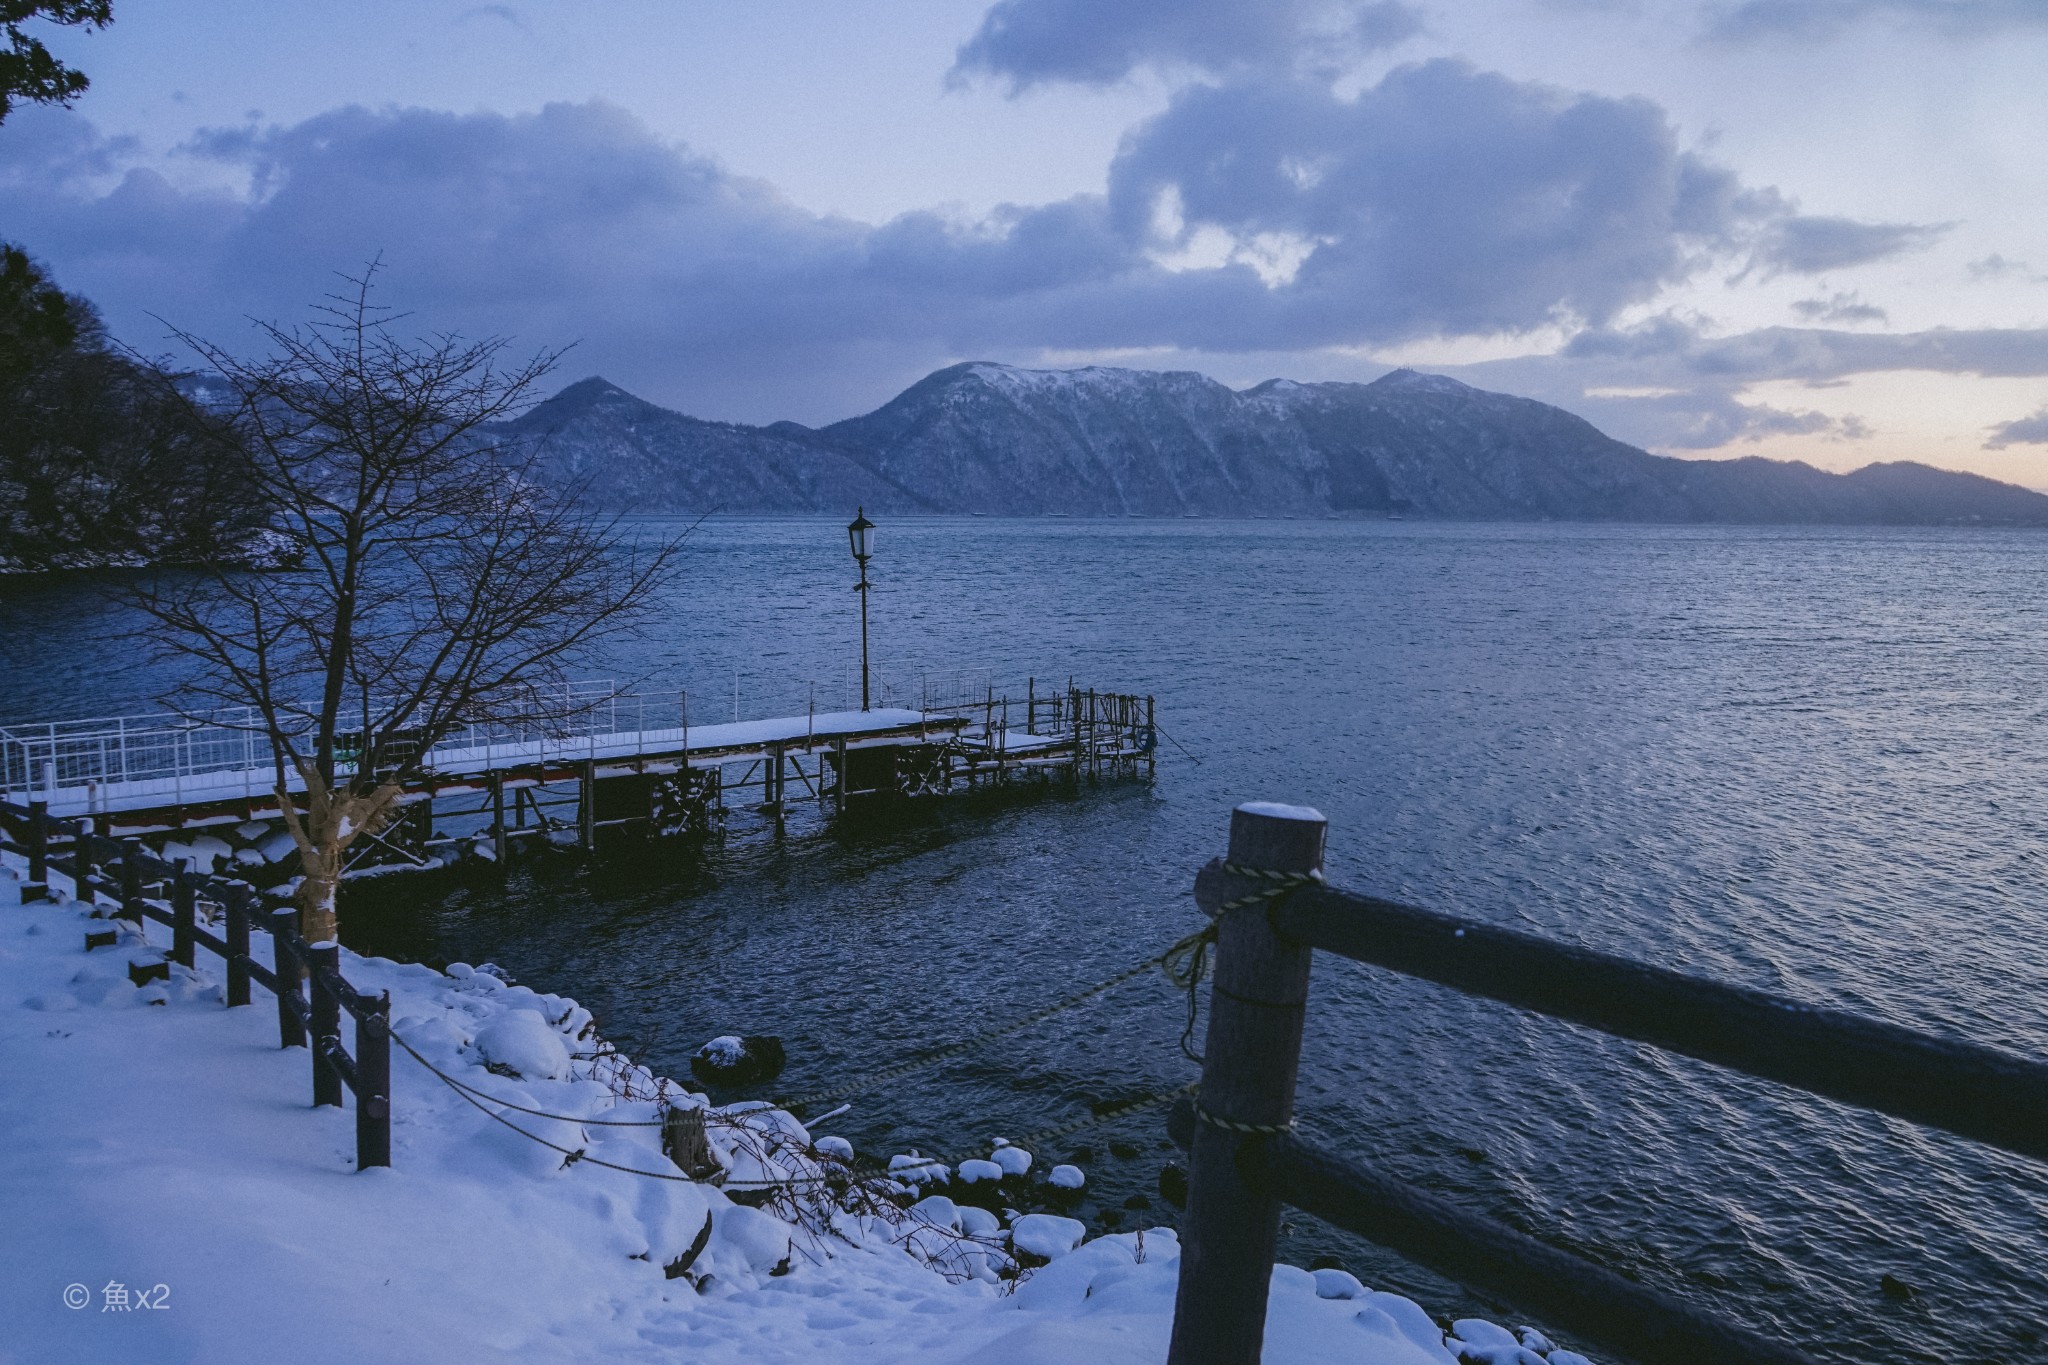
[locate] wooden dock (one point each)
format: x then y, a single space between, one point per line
204 789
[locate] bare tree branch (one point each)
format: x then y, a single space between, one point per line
444 585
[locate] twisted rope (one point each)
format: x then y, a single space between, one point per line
1187 961
1233 1126
574 1155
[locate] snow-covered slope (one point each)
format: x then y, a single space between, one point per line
627 455
157 1147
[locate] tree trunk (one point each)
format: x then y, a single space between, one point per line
333 820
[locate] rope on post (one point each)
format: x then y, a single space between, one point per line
1187 961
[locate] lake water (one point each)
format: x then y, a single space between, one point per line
1810 761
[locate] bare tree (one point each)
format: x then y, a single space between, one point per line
442 587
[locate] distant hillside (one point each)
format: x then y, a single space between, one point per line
1003 441
630 456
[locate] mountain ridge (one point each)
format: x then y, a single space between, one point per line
982 437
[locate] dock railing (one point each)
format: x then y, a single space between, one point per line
127 872
1272 911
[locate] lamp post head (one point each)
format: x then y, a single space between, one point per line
860 533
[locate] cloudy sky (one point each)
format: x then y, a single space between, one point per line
1807 229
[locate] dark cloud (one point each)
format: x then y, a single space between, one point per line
1442 200
1263 214
1997 267
1759 19
1801 245
1841 307
2024 431
1096 42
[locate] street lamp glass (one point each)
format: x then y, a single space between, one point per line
861 533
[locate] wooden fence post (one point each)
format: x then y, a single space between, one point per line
131 881
1253 1050
291 1030
37 887
235 901
184 905
373 1087
326 1021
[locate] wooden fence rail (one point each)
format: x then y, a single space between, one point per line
1245 1162
303 1019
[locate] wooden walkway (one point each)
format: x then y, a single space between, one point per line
177 779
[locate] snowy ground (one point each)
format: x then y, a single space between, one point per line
157 1148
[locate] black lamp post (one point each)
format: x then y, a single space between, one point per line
860 533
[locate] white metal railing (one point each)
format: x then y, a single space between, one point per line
170 751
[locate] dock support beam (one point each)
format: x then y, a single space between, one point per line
586 807
37 887
498 840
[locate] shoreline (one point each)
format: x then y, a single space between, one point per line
159 1137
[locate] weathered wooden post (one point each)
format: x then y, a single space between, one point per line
373 1086
37 887
684 1142
131 881
1253 1050
291 1029
320 960
235 902
498 817
586 807
184 906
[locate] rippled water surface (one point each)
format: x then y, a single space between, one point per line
1805 760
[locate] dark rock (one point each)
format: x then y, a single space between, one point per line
1326 1262
1895 1288
1137 1201
1122 1151
733 1062
1173 1185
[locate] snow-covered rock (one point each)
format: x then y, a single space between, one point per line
521 1041
1012 1161
937 1210
978 1222
1338 1284
912 1169
974 1171
1066 1177
1047 1235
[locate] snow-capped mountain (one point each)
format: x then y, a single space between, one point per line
1004 441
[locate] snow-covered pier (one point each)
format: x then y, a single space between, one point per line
628 760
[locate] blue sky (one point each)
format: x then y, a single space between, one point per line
1799 228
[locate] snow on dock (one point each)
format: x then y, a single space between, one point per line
623 759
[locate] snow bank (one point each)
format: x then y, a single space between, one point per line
153 1138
